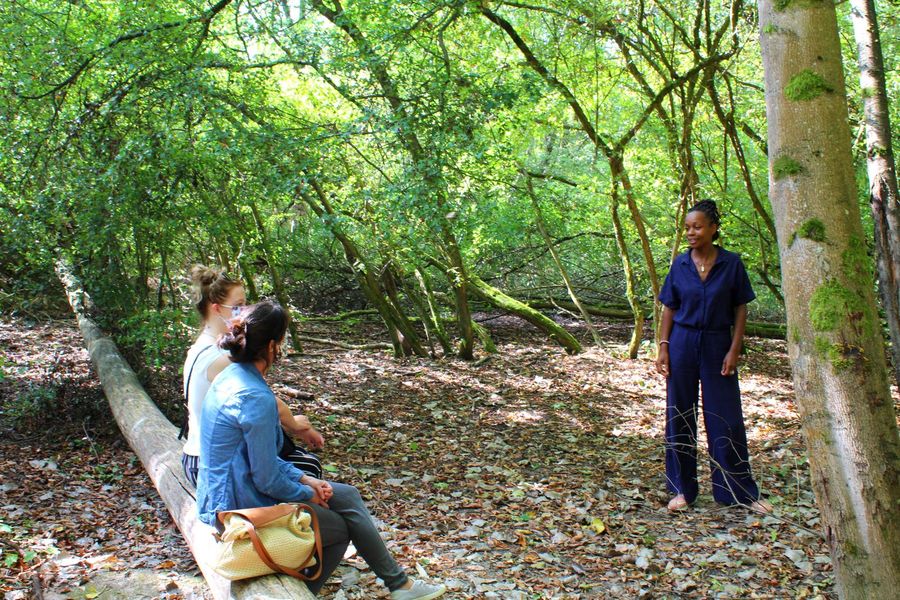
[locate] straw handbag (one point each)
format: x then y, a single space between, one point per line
271 539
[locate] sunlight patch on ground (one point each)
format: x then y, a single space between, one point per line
525 416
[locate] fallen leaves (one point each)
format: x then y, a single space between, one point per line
533 475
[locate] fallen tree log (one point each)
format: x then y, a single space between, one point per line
155 441
754 328
346 346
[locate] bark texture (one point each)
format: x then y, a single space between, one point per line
834 342
883 195
155 441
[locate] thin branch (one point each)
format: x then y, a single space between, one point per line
204 18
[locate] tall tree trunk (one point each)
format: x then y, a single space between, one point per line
434 313
637 311
620 177
883 197
834 342
539 218
277 283
420 162
398 326
247 277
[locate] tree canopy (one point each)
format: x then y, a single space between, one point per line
402 155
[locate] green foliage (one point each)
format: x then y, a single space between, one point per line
152 157
785 166
806 85
33 405
106 473
162 336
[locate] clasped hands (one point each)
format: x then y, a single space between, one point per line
322 490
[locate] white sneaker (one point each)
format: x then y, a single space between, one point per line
419 591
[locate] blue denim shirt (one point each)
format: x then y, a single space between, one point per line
239 441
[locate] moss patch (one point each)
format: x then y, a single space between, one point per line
806 85
831 304
859 270
785 166
813 229
834 353
782 5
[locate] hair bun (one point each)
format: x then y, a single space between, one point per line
234 340
203 275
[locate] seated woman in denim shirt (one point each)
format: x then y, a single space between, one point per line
240 468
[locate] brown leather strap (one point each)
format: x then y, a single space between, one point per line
267 516
261 515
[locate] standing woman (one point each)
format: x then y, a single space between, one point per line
240 468
219 298
702 329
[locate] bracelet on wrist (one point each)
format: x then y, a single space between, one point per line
661 342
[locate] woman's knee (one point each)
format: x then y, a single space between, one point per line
346 494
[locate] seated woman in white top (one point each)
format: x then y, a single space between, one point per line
219 298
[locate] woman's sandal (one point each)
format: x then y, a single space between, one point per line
677 503
760 506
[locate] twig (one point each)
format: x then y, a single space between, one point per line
482 360
36 587
87 436
326 342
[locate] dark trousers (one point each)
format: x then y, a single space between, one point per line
348 520
695 357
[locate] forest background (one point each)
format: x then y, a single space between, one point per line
423 161
407 157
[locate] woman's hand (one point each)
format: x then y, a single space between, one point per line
300 425
729 365
323 490
312 439
662 360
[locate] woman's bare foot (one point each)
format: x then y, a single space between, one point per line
761 506
678 503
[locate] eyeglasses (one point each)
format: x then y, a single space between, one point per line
235 309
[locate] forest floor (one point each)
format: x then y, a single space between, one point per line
532 474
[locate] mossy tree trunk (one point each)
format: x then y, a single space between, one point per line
542 227
434 314
403 336
433 185
637 311
275 270
498 299
834 342
884 199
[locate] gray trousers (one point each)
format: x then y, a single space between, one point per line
348 520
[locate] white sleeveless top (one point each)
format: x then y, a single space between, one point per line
199 358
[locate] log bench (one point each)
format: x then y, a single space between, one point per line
155 441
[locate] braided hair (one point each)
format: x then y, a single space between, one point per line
711 210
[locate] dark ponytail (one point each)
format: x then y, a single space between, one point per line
711 210
249 334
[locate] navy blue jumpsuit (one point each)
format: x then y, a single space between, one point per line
700 339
